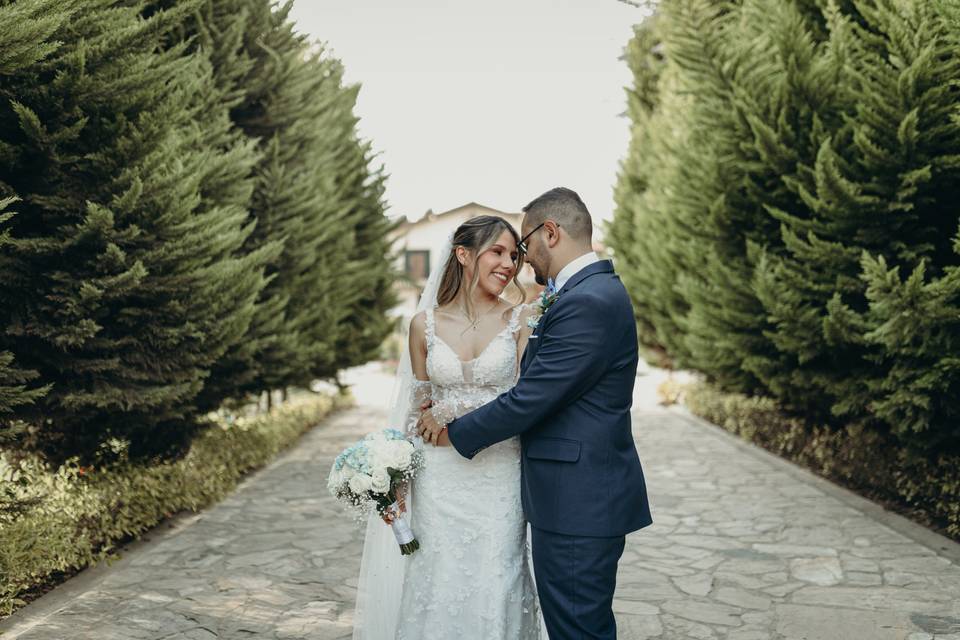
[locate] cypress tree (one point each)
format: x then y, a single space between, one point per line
131 283
695 279
26 31
626 234
913 284
365 321
783 98
324 307
243 39
797 234
26 28
646 235
883 185
13 388
305 119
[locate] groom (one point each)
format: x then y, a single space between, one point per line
583 488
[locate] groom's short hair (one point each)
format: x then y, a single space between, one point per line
565 207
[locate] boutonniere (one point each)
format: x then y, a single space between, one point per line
544 302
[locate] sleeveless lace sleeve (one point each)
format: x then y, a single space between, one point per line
514 323
431 327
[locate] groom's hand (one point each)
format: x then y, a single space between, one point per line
429 429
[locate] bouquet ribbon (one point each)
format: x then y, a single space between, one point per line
400 527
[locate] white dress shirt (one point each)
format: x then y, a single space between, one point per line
573 267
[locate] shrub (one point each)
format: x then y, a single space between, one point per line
874 464
64 519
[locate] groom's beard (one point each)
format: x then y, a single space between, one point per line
539 271
538 275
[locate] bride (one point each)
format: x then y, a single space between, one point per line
470 579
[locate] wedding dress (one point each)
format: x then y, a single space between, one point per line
470 580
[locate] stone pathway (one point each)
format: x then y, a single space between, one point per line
744 547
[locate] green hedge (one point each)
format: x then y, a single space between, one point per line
925 488
55 521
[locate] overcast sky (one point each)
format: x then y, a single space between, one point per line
493 101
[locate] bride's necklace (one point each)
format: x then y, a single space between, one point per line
474 324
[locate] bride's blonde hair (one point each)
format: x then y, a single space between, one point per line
476 235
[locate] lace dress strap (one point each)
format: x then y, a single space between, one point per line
514 323
431 326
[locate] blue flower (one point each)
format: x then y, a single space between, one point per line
356 457
547 298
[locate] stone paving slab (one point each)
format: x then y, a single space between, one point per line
744 546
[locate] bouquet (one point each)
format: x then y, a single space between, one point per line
369 475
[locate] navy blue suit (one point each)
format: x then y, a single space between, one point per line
583 487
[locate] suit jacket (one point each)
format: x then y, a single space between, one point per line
571 405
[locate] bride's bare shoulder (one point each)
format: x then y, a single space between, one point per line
506 310
418 324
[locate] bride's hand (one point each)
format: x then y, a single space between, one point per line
428 428
390 516
443 440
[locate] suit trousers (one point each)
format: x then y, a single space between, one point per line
576 577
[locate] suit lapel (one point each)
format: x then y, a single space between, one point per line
602 266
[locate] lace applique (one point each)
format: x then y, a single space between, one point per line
420 393
431 327
514 324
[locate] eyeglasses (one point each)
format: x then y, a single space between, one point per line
522 245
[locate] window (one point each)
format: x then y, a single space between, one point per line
417 265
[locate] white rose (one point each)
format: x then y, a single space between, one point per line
380 483
379 457
386 456
360 483
399 455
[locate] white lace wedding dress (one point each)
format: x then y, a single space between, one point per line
471 578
